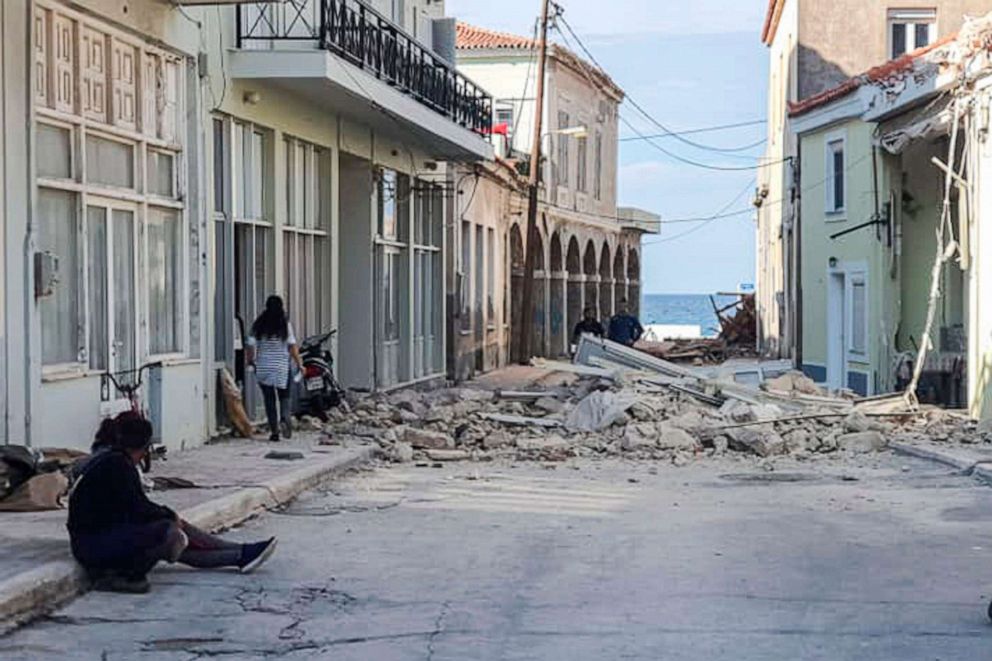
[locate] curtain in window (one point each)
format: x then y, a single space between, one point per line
125 304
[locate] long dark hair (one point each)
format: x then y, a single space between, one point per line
272 322
127 431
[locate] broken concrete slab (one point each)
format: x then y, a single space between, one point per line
861 442
423 439
447 455
599 410
520 420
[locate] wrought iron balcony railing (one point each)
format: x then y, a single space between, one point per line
366 39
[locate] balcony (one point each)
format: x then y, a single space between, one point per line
350 58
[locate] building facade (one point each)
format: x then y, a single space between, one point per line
183 163
874 155
589 252
814 47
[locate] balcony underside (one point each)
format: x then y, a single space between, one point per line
328 81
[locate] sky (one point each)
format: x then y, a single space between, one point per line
690 64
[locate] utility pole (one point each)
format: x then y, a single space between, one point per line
530 261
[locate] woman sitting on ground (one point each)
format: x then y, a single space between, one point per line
118 534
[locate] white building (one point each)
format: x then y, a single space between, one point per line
184 163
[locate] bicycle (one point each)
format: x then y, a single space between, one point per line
128 383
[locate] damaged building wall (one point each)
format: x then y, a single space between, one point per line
479 317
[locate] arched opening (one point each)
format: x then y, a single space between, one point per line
605 283
634 282
538 324
516 289
619 278
573 264
556 298
589 269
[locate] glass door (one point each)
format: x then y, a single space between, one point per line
112 293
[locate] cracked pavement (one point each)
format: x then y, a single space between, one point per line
885 559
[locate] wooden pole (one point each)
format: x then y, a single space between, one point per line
530 260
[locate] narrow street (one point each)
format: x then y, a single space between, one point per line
886 558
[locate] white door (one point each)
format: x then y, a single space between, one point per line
836 330
111 265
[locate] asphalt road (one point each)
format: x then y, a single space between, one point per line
719 560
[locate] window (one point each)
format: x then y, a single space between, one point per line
581 183
504 115
109 162
58 229
399 12
54 149
562 150
858 344
109 127
466 292
910 29
836 180
305 240
491 277
597 184
165 278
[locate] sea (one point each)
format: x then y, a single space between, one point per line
683 309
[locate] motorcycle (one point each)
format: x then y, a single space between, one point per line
320 388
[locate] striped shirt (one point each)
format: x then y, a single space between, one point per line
272 358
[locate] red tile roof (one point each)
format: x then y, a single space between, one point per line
892 68
470 37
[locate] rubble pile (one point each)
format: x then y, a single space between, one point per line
598 412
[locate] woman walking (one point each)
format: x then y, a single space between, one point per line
271 346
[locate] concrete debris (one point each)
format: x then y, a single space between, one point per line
646 410
447 455
422 439
861 442
599 410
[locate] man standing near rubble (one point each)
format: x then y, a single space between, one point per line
588 326
624 327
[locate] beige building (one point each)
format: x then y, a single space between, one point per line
589 251
813 47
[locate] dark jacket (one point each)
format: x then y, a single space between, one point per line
625 329
587 327
108 494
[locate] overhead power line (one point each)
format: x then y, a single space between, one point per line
630 99
705 129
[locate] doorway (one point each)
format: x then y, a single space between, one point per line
836 329
111 264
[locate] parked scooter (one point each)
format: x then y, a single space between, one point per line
320 388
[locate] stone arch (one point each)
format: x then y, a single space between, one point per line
556 260
573 294
619 277
557 322
517 259
605 282
634 281
589 268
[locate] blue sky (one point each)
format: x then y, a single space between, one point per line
690 65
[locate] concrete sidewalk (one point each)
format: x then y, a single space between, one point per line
233 482
973 460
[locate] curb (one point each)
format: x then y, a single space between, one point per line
983 471
947 458
53 584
